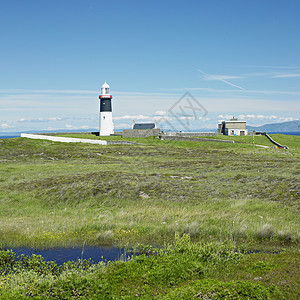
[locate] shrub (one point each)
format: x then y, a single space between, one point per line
7 260
266 232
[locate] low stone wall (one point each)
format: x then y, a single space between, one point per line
274 142
189 134
191 139
74 140
140 132
62 139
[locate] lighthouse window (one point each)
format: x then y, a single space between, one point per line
106 90
105 105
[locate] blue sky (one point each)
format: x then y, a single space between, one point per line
236 58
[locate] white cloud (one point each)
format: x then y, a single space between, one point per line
258 117
52 128
249 116
123 125
163 118
203 119
267 117
54 119
69 127
48 91
39 109
132 117
4 126
160 113
287 119
225 116
37 120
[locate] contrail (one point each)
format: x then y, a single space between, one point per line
220 79
239 87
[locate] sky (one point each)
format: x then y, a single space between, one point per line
186 64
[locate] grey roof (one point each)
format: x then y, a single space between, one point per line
144 126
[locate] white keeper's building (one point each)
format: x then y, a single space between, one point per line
233 127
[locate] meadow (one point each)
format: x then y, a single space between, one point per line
203 193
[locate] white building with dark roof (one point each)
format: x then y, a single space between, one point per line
233 127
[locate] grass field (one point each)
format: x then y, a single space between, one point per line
57 194
128 194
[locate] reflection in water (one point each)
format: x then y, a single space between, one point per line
61 255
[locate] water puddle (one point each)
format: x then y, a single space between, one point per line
62 255
96 254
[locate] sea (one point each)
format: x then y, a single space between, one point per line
286 133
9 136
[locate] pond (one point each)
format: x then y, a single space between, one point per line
96 254
62 255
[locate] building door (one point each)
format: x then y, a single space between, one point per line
242 132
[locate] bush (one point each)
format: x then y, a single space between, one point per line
266 232
7 260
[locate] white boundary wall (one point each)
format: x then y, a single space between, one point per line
62 139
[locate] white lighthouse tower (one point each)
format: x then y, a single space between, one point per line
106 123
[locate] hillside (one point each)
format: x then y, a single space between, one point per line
292 126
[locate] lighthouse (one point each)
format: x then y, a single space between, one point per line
106 123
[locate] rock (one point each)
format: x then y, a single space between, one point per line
143 195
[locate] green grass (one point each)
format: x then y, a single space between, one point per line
248 139
129 194
179 270
58 194
259 140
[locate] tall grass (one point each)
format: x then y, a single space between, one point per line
64 194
